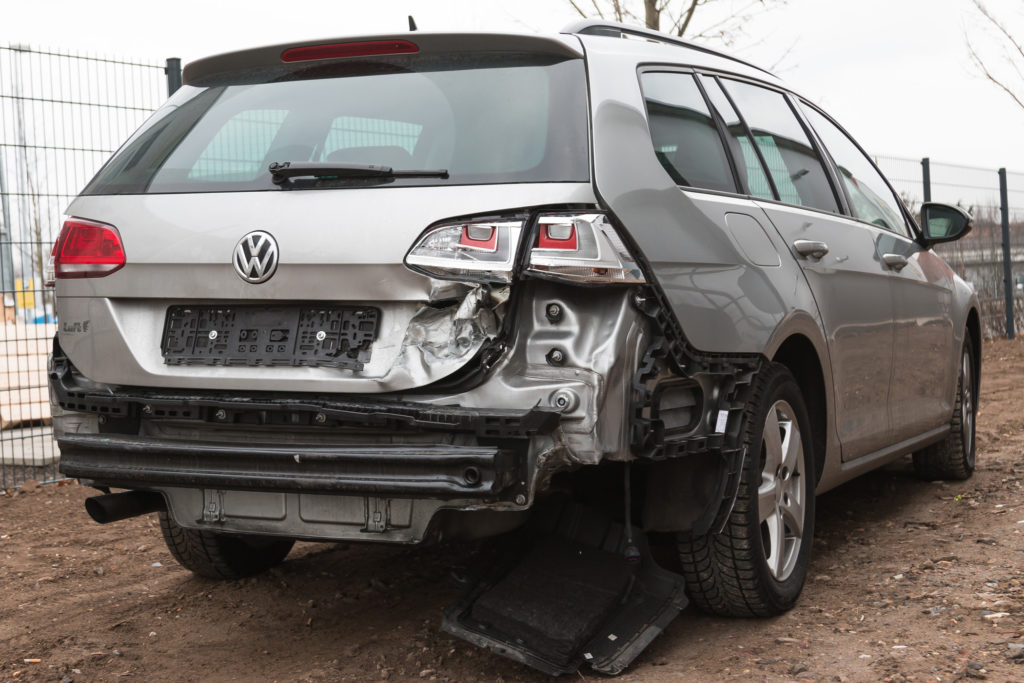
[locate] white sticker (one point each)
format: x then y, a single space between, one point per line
587 656
723 418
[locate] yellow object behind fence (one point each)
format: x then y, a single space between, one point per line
24 295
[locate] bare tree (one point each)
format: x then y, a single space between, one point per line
676 16
1009 78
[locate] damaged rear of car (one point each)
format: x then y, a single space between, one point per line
414 288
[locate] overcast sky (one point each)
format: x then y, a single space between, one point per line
896 73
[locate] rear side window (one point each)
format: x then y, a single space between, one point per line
507 118
686 140
751 171
794 166
871 199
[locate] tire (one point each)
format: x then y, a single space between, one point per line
757 565
222 556
953 457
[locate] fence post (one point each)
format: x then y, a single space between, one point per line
6 242
173 71
926 178
1004 209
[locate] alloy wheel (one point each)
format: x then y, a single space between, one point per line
781 496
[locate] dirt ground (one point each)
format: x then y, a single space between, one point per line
910 580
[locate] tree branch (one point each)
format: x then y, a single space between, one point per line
999 26
688 17
577 8
988 74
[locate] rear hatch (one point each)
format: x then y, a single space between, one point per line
237 278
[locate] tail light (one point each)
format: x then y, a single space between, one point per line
474 251
573 247
582 248
86 248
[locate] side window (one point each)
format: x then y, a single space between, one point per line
686 140
871 198
792 162
751 171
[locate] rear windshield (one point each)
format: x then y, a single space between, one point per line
512 119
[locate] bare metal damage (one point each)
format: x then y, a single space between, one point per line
440 339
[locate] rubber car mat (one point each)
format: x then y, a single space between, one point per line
563 594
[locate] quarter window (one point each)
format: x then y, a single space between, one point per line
686 140
792 162
871 198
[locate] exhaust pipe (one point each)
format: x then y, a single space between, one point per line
113 507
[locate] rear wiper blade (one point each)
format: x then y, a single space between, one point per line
282 171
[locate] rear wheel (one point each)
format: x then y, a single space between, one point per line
953 457
221 556
757 565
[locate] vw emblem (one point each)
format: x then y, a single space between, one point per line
256 257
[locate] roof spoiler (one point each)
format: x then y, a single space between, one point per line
265 63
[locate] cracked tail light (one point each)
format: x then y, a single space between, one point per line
582 248
85 248
475 251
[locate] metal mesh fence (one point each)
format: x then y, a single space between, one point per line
61 116
978 258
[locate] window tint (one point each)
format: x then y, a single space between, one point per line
870 196
504 118
686 140
793 164
751 171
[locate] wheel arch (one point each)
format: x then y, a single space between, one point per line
799 354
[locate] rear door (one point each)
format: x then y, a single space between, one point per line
840 257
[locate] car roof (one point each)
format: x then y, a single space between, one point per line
646 46
632 43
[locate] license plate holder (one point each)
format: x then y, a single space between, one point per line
284 335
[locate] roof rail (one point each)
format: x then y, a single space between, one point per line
612 29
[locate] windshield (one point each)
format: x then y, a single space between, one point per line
516 119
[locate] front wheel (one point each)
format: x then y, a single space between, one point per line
953 457
222 556
758 563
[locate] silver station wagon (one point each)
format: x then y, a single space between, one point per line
592 291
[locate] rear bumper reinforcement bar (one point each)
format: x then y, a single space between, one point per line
446 472
295 410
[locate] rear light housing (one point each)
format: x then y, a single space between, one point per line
85 248
583 248
471 251
577 247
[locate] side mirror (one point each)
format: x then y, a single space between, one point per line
944 223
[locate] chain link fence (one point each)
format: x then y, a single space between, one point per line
61 117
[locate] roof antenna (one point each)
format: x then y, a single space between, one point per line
412 23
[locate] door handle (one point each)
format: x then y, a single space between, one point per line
894 261
810 248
